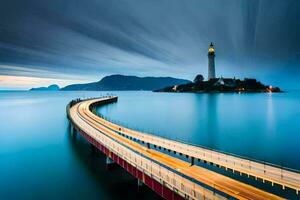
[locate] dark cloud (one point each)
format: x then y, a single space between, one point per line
94 37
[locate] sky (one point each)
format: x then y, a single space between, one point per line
75 41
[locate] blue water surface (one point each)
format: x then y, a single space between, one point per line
259 126
40 160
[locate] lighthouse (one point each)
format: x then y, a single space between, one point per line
211 62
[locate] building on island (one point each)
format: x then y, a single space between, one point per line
219 84
211 62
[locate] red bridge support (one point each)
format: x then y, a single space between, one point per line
143 179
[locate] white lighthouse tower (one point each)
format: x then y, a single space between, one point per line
211 62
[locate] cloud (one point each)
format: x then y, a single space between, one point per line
75 38
25 82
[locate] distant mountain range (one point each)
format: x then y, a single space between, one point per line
53 87
122 83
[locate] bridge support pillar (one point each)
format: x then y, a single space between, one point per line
109 161
140 183
192 161
94 110
72 130
93 148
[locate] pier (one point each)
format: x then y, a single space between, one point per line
171 177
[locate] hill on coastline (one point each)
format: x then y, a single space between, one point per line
53 87
122 83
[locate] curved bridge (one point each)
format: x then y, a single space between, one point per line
169 176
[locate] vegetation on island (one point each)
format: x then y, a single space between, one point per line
221 85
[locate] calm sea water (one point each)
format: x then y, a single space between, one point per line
39 158
265 127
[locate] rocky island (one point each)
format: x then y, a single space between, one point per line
221 85
214 84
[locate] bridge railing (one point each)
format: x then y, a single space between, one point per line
274 174
183 186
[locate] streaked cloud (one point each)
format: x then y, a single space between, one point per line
26 82
91 39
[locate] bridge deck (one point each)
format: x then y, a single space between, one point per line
273 174
89 122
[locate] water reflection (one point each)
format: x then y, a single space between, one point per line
270 115
212 120
38 158
41 160
258 126
107 180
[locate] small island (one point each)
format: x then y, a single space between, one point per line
221 84
53 87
